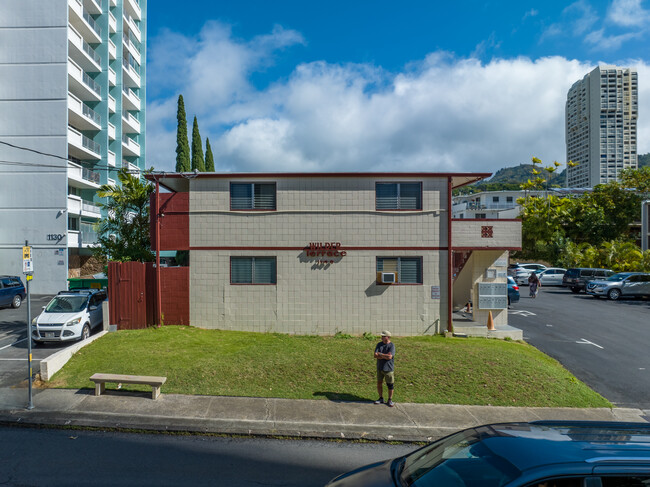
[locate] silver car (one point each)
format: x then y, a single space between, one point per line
621 284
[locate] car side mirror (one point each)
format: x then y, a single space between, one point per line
43 307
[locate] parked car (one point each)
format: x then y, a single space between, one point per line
513 291
551 276
520 272
70 315
542 453
12 291
622 284
576 278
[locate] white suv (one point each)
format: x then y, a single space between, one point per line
70 315
521 272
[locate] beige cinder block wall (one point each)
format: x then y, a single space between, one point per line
313 298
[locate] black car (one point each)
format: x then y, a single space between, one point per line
577 278
12 291
538 454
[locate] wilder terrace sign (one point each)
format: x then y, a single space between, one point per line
325 249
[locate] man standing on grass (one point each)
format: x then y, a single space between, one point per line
385 355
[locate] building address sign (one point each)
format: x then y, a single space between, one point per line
329 249
55 236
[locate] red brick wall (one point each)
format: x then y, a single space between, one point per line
174 222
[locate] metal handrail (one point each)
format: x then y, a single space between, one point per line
91 114
90 145
92 23
89 175
91 83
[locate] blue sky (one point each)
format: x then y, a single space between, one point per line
381 86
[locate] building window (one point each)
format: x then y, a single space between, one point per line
495 199
398 196
508 199
73 223
252 270
252 196
481 216
408 269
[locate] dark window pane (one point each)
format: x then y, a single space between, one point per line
410 196
264 196
241 196
410 270
386 196
264 270
241 270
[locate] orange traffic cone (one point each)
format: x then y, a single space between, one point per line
490 323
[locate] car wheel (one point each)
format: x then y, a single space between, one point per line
614 294
17 301
85 333
575 290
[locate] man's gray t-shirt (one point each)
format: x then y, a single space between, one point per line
386 365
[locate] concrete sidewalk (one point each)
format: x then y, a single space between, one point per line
277 417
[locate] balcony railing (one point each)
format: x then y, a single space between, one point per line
91 114
130 61
91 52
89 175
88 233
90 144
91 83
92 23
90 207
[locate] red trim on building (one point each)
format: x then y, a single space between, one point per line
485 219
254 175
307 248
450 282
462 249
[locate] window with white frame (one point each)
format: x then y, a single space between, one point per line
398 196
253 270
408 269
252 196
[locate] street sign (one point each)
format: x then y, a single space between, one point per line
27 253
28 266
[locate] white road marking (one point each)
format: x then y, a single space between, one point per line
585 341
23 359
12 344
641 368
550 326
522 312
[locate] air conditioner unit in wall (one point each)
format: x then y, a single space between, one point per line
386 277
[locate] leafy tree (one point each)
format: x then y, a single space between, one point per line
638 180
198 163
124 232
209 158
182 144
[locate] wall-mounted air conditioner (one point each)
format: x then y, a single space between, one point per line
386 277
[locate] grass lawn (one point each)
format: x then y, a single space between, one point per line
428 369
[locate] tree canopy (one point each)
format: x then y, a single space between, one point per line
124 232
198 163
209 158
182 144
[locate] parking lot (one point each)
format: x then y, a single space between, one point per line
603 343
13 342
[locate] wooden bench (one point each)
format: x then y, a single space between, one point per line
100 381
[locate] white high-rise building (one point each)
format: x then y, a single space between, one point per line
72 92
601 119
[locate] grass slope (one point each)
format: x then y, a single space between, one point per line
428 369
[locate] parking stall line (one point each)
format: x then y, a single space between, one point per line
587 342
12 344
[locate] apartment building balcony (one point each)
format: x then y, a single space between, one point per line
81 116
112 77
130 124
90 209
111 104
130 25
131 76
113 3
111 131
82 177
111 158
83 22
133 8
81 52
131 168
93 6
82 147
130 100
87 235
74 239
132 48
112 50
74 204
130 147
112 23
111 182
81 85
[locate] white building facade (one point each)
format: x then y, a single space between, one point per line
72 113
321 253
601 126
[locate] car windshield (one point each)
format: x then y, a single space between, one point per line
618 277
461 459
66 304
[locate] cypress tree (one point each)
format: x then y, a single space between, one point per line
197 149
182 144
209 158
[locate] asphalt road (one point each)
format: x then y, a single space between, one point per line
77 457
603 343
13 342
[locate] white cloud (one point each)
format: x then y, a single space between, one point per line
628 13
599 40
440 114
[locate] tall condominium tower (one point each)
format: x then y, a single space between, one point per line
601 115
72 113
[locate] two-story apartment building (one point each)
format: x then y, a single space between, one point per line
320 253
